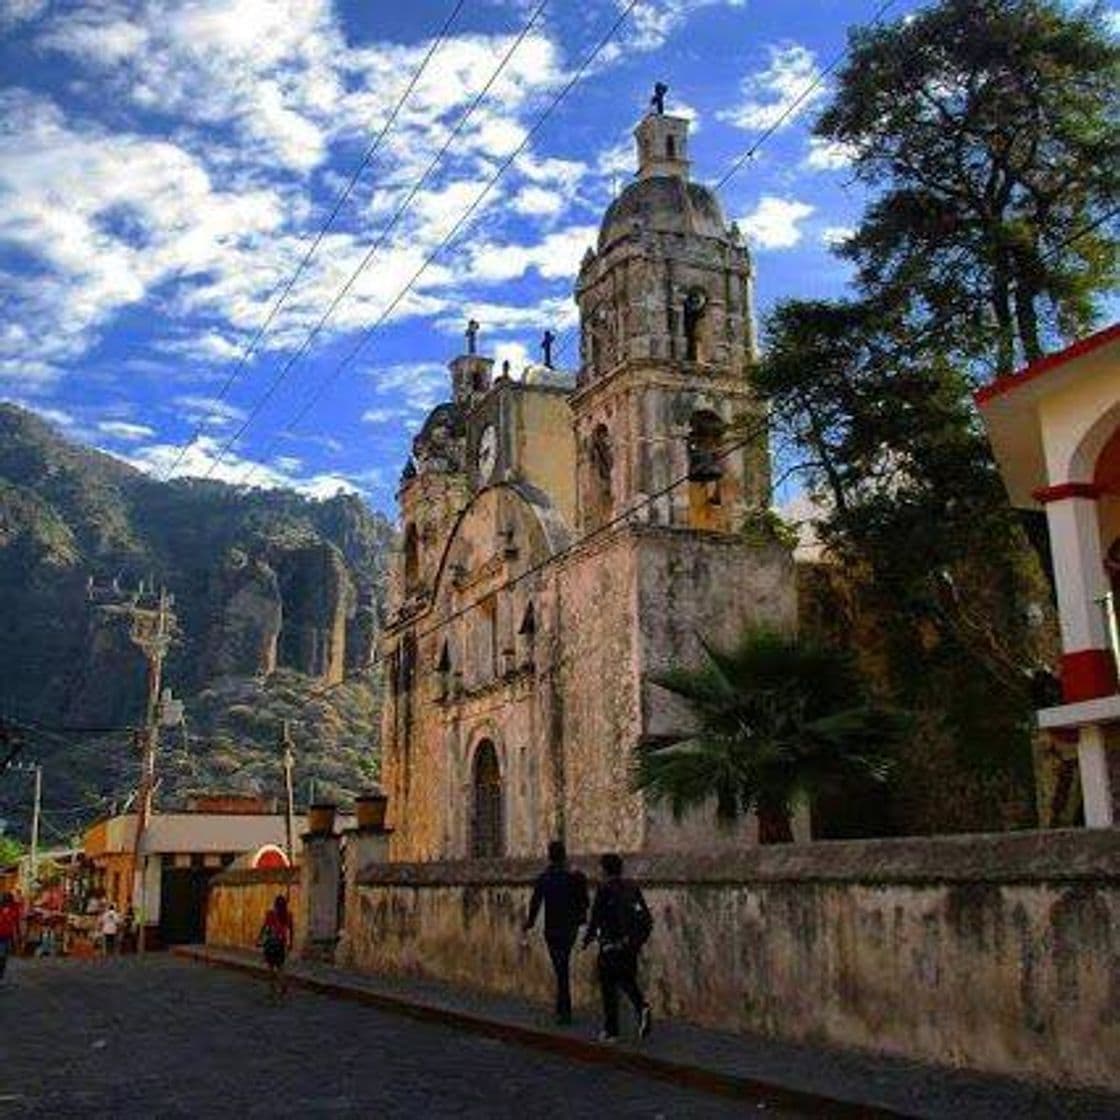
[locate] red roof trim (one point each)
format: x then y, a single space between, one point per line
1063 490
1079 349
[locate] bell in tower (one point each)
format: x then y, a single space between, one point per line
667 342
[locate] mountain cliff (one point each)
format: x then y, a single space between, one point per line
276 598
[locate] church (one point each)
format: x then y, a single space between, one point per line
567 536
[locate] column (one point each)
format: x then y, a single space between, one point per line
319 882
1096 789
1088 667
365 845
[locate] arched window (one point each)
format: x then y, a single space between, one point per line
411 557
705 439
487 840
670 147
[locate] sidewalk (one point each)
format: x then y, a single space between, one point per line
764 1072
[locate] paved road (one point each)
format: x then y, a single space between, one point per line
165 1038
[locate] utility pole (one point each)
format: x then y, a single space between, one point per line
150 629
289 762
35 811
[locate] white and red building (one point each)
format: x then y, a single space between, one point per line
1055 431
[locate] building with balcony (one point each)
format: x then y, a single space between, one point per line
1055 431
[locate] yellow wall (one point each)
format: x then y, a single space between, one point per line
546 450
239 900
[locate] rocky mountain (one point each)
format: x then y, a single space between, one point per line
276 598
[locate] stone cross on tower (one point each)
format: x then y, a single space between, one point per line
472 336
657 101
546 345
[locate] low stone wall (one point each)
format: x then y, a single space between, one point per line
239 899
998 953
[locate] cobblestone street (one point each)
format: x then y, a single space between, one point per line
163 1037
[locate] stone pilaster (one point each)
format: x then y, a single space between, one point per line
321 881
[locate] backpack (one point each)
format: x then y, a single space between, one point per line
637 921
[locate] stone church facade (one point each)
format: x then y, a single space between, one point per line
566 537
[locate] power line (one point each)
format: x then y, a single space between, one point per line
738 444
378 244
798 101
789 111
365 161
317 393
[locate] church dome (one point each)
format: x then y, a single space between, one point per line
663 204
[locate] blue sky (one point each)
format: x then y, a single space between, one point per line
163 165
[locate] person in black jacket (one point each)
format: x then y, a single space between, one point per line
563 894
621 922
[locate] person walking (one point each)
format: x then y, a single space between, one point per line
10 918
563 894
621 922
275 939
108 926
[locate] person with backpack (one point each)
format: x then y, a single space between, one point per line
563 894
621 922
275 939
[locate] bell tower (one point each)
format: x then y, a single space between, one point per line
667 342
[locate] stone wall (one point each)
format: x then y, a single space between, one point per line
998 952
239 899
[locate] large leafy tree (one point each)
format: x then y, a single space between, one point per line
776 723
988 130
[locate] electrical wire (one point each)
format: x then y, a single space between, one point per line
797 102
317 393
378 244
340 201
752 151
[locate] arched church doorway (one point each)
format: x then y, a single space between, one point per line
487 839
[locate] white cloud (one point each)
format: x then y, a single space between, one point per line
416 387
514 353
833 236
555 257
263 65
107 217
382 415
19 11
558 313
828 155
538 202
200 459
258 91
655 20
769 93
124 430
773 223
209 411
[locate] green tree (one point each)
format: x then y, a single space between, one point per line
10 850
941 588
989 131
777 722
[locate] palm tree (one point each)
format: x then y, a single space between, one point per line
776 722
